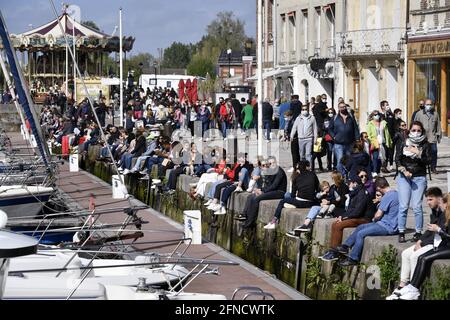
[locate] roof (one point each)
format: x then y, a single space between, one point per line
52 28
236 57
50 35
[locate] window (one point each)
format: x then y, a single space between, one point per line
283 34
317 27
292 31
330 14
305 27
169 84
270 21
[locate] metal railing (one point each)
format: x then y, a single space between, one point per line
370 42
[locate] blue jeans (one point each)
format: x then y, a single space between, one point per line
340 151
244 178
267 127
376 161
356 239
224 128
137 166
201 169
410 193
434 155
213 188
205 127
313 213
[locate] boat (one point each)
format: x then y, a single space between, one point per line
22 200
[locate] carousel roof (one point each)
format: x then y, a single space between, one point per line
50 35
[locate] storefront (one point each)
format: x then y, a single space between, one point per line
428 76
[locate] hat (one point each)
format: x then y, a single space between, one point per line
355 178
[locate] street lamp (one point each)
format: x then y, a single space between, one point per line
229 62
155 65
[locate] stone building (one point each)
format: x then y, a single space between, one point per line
371 43
429 55
299 49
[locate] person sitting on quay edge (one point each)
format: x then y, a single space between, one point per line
305 186
359 211
384 223
332 204
427 242
274 189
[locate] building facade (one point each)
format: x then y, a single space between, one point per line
429 55
299 49
371 43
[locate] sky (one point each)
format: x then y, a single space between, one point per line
154 23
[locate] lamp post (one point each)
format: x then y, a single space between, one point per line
229 62
155 65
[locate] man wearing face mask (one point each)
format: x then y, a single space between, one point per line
432 125
344 131
306 127
421 107
388 116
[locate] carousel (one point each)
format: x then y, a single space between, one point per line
48 65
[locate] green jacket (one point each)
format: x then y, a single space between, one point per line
372 134
248 116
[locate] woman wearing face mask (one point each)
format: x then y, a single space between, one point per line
412 159
378 133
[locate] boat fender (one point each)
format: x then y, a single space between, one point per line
3 219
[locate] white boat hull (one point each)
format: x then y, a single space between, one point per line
18 201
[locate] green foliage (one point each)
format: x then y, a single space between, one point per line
200 66
91 24
178 55
226 31
344 291
314 276
138 63
439 289
389 269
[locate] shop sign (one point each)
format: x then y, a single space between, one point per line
439 48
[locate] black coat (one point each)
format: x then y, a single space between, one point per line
267 111
296 108
437 217
359 203
418 167
276 182
306 186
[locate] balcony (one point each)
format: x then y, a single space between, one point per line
283 57
371 42
293 57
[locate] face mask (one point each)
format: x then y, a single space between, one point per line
344 112
415 134
331 115
421 106
351 189
324 100
428 107
376 118
305 113
387 108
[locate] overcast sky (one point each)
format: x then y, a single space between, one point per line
154 23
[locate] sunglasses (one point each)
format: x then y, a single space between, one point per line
363 176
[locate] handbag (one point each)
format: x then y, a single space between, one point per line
318 146
165 162
328 138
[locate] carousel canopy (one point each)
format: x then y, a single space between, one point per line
49 37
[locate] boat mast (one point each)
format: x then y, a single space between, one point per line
121 67
23 92
13 94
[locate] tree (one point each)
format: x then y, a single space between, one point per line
177 56
200 66
91 24
139 63
226 32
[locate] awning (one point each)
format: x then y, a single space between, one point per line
272 73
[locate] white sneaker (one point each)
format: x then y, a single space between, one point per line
374 174
207 203
143 172
410 295
270 226
221 211
291 170
405 289
289 206
393 296
239 189
215 207
211 205
126 172
193 185
243 133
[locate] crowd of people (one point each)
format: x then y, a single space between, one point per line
357 195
